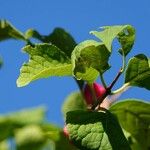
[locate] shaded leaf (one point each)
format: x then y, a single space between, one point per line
57 139
138 71
64 144
124 33
95 130
7 31
74 101
134 116
62 40
45 60
89 58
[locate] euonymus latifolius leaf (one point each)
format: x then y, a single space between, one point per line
7 31
31 33
125 35
138 72
74 101
59 37
134 116
9 122
45 60
62 40
30 137
88 59
95 131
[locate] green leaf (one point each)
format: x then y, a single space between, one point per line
138 71
95 130
7 31
28 116
30 137
45 60
31 33
134 116
64 144
4 145
124 33
9 122
89 58
62 40
57 137
5 128
1 62
74 101
51 131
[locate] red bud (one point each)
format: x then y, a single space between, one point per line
99 92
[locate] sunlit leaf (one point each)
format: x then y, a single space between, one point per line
124 33
45 60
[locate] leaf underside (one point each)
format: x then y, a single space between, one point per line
138 71
134 116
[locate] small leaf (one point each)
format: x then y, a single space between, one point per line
74 101
45 60
9 122
28 116
30 137
7 31
134 116
62 40
89 58
95 130
31 33
138 71
124 33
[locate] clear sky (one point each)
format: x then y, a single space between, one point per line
78 17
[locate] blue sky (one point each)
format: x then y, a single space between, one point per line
78 17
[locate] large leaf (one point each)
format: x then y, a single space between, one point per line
89 57
138 71
74 101
134 116
11 121
7 31
124 33
95 130
45 60
62 40
30 137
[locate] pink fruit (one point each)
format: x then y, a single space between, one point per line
65 131
99 92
